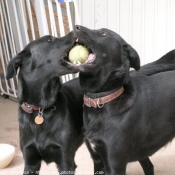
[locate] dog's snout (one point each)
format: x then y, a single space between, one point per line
77 28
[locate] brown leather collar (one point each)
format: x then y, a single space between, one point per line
99 102
29 108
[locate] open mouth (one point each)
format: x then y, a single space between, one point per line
79 54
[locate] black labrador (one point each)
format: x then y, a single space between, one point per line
50 113
128 116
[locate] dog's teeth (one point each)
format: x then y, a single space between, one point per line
77 40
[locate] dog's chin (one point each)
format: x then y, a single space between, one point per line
75 68
89 64
71 68
86 68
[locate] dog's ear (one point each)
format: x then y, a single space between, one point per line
133 56
13 65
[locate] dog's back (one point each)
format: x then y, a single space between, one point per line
151 116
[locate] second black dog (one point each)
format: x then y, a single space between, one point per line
50 114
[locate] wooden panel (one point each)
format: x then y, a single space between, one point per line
148 25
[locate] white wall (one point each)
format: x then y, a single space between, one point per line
148 25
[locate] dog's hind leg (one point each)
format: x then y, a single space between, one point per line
147 166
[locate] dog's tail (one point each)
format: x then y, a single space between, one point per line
165 63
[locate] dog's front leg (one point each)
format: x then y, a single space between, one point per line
32 169
32 161
114 169
66 165
98 163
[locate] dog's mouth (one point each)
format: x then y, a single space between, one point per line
88 60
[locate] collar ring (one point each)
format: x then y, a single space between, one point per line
99 106
40 113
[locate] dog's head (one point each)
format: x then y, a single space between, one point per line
106 44
40 64
110 57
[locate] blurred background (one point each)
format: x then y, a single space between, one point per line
148 25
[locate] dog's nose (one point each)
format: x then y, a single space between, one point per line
77 27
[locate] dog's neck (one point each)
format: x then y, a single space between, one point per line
93 87
103 82
100 94
100 100
126 98
113 83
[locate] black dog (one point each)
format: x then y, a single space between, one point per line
41 94
127 116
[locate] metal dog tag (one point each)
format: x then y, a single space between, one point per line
39 120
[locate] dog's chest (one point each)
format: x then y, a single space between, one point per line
95 125
92 145
51 153
52 131
102 128
47 143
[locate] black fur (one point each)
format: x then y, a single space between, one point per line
139 122
165 63
57 139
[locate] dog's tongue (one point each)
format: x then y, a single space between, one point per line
90 57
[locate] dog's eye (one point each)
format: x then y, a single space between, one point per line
103 33
49 39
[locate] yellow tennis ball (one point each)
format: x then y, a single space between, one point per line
78 54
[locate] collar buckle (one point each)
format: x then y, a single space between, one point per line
89 102
29 108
